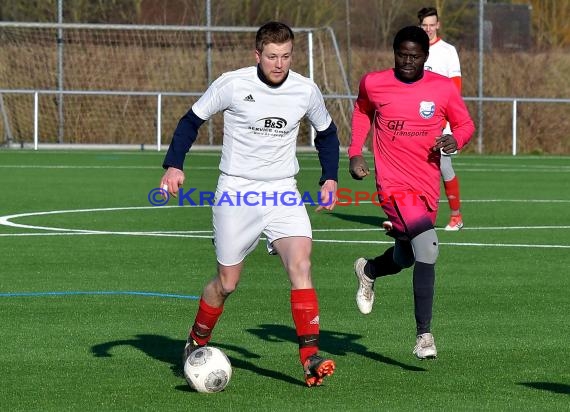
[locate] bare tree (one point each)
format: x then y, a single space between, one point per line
550 22
293 12
388 11
31 10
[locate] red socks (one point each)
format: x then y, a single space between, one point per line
205 321
452 193
305 311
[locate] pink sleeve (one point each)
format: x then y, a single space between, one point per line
459 119
362 117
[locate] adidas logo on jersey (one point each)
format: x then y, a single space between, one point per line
249 98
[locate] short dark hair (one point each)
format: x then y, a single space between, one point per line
426 12
414 34
273 32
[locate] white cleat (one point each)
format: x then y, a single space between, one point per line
425 347
365 293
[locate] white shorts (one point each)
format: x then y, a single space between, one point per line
245 209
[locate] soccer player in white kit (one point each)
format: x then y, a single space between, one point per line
443 59
263 106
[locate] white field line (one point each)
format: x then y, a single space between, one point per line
206 234
339 241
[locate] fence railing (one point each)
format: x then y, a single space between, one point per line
159 95
70 57
514 101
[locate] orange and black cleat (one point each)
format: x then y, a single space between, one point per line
316 368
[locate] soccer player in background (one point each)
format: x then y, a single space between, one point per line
443 59
263 106
406 107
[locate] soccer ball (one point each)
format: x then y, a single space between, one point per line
208 370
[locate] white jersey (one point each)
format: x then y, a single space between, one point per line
443 59
261 123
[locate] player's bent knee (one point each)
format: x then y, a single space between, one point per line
227 288
300 266
303 267
227 283
426 247
300 274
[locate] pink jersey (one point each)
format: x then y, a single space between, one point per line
407 119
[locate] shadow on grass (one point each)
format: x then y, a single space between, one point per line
169 351
375 220
335 343
548 386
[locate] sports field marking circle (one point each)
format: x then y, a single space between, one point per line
7 221
206 234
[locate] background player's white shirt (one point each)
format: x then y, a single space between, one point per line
443 59
261 123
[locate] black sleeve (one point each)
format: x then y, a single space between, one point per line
184 136
328 146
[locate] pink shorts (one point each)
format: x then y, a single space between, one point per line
409 212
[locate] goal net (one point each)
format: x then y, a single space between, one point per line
98 84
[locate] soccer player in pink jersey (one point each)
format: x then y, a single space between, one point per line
443 59
406 107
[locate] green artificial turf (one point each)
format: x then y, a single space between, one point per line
98 289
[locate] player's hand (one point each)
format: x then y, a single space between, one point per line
446 143
172 180
358 167
328 196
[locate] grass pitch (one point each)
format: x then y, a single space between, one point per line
98 289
